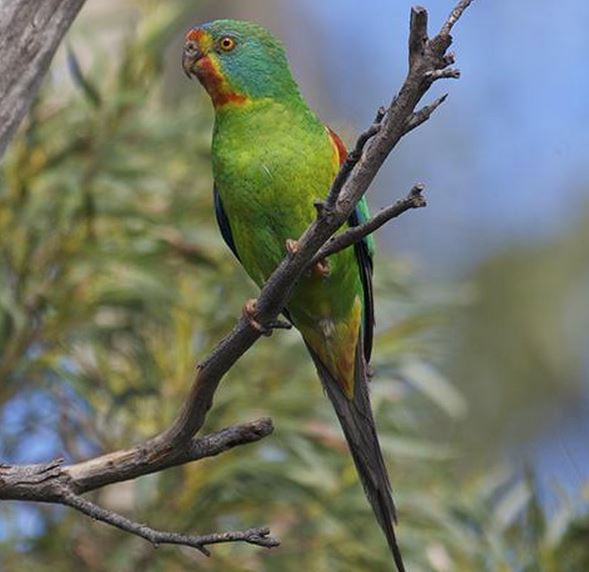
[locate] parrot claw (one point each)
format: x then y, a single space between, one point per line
292 246
322 268
249 313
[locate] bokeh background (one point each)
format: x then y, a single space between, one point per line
114 281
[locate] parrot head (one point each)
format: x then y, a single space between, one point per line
237 62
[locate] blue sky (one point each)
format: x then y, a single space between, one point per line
507 156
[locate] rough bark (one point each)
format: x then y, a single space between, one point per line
30 32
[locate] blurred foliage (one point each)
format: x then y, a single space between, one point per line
113 280
523 346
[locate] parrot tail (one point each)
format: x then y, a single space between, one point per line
355 417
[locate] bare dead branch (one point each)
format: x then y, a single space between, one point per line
30 32
100 514
454 16
37 482
419 117
351 161
256 536
417 34
62 484
414 200
449 73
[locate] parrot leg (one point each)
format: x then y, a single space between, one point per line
250 309
321 268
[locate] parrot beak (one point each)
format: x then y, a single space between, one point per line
190 56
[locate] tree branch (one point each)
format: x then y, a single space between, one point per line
62 484
351 161
257 536
30 32
428 62
414 200
454 16
43 482
420 117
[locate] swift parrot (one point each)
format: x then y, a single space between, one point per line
272 159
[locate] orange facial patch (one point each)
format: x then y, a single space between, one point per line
193 35
210 75
201 38
209 72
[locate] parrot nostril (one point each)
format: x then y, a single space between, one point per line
191 54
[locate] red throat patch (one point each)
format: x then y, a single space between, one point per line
209 72
213 80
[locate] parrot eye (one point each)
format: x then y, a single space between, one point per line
227 43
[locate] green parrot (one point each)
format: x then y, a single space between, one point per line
272 159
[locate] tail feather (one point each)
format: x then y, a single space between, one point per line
357 422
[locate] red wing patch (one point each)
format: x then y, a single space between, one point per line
342 152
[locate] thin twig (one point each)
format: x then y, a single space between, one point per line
419 117
449 73
414 200
257 536
455 15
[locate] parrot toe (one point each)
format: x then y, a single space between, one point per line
292 246
250 310
322 268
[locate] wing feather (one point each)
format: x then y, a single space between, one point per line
223 222
364 255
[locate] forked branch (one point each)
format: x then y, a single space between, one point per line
414 200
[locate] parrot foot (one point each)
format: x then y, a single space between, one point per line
249 312
322 267
292 246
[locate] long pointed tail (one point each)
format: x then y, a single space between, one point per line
356 419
